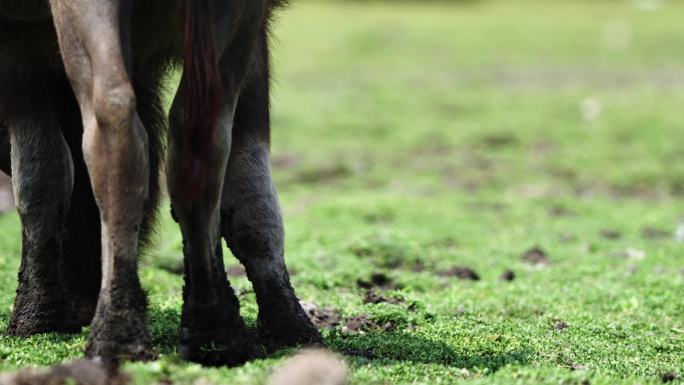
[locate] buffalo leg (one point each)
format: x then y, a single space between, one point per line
43 179
251 221
92 36
212 331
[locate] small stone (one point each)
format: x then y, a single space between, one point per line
313 367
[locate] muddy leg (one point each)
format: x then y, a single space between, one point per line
251 221
115 150
43 180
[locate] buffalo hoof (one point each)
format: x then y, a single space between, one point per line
37 312
119 335
287 328
210 336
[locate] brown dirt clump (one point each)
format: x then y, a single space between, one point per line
375 298
460 272
377 280
322 318
536 256
507 276
364 323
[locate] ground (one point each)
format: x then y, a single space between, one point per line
415 141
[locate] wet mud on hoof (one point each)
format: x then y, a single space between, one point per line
323 318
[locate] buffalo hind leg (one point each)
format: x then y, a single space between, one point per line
251 221
212 331
98 62
41 168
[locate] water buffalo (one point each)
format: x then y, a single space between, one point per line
80 97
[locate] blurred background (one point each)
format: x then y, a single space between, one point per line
531 98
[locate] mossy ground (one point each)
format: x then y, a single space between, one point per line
411 138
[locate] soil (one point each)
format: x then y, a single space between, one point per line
378 280
655 233
669 377
460 272
363 323
376 298
507 276
536 256
236 271
322 318
611 234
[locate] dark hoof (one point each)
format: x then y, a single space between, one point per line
115 351
44 314
288 329
212 335
119 335
221 347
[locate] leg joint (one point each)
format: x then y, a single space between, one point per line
114 105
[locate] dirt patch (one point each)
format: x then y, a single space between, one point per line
610 234
323 318
498 140
418 266
560 211
507 276
669 377
364 323
236 271
375 298
536 256
560 325
631 253
655 233
378 280
324 173
460 272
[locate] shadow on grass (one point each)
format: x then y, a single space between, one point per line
388 348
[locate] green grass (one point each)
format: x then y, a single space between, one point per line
452 135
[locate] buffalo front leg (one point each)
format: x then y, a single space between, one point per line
251 222
115 150
43 179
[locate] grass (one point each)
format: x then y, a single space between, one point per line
434 135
